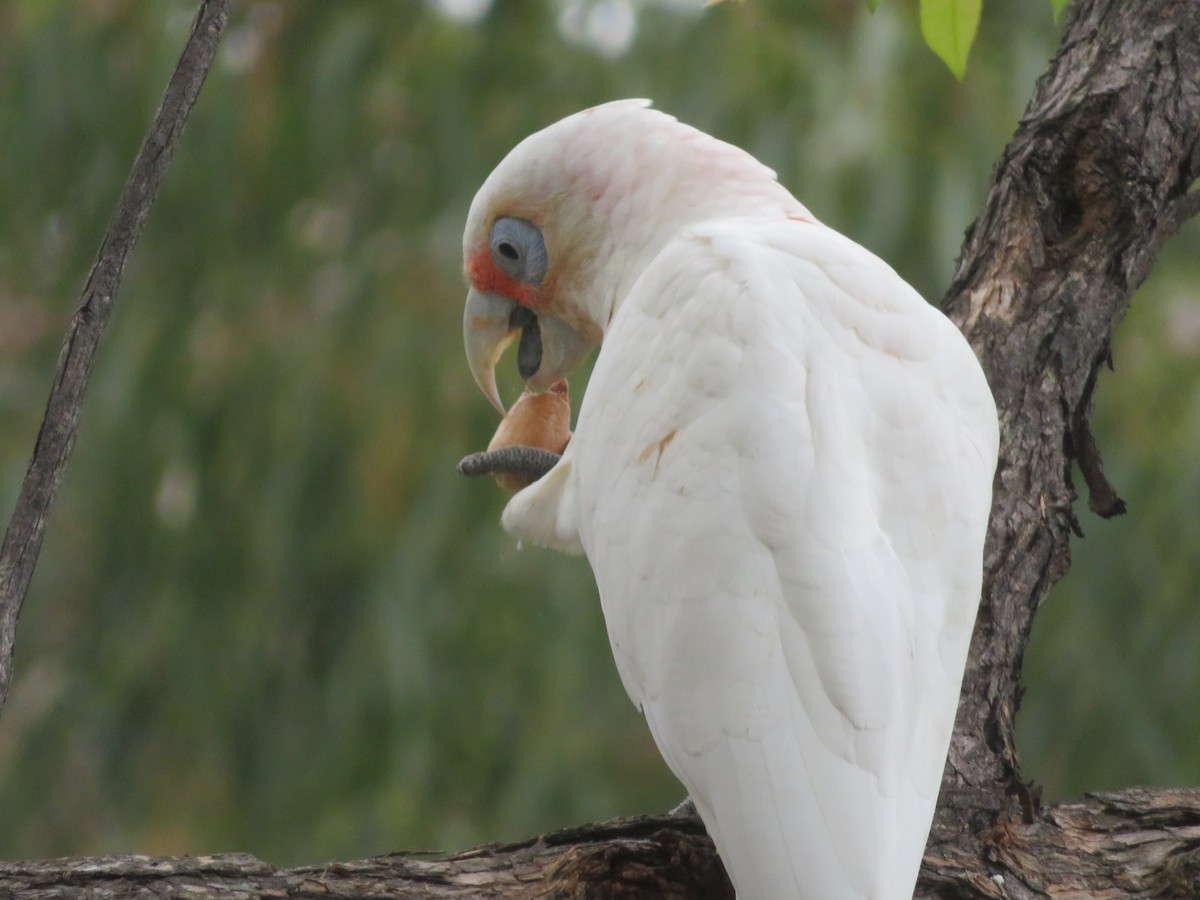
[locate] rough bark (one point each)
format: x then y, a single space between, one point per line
1131 844
1096 178
651 856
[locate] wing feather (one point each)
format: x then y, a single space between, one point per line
781 476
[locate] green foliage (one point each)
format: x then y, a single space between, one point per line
269 615
949 28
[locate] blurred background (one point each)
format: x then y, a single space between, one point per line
269 615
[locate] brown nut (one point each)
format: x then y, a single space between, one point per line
535 420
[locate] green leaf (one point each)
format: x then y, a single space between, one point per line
949 28
871 4
1059 6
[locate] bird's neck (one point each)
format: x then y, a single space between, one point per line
667 213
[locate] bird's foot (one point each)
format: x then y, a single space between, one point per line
532 462
685 810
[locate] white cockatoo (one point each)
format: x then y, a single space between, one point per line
780 474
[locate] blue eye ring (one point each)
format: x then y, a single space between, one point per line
518 249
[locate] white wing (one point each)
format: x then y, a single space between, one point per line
781 476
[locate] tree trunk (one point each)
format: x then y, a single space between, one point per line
1096 178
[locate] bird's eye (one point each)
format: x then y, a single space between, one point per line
518 249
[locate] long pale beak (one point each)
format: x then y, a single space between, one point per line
486 332
550 348
562 350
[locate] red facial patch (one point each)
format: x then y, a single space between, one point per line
486 276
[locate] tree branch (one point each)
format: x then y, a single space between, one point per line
1092 184
56 437
1094 181
1127 844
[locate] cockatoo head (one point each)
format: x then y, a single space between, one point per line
566 223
